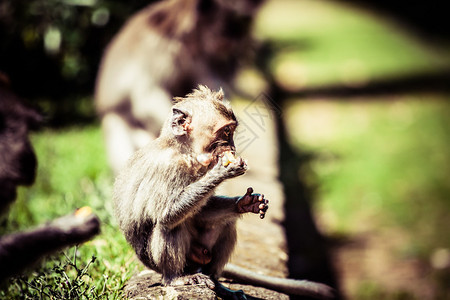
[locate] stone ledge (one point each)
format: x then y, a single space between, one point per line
146 285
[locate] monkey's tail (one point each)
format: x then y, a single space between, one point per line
283 285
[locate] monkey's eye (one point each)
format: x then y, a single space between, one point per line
227 131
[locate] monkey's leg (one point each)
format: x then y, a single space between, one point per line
218 222
167 250
224 244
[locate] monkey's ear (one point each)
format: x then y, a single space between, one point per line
180 122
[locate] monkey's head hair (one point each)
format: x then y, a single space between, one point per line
217 98
202 93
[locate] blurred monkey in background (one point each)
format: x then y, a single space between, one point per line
17 158
18 167
166 49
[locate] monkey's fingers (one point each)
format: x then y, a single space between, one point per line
263 201
249 191
263 207
262 212
241 163
228 157
234 169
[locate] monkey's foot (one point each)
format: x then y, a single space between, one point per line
254 203
198 278
226 293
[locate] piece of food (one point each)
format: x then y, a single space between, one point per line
83 212
228 158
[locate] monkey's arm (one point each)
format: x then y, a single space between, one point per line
195 196
17 251
189 202
222 207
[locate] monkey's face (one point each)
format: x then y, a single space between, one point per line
204 124
223 139
217 142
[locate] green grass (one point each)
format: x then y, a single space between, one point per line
72 173
381 163
335 43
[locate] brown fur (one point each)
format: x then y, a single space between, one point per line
164 50
164 198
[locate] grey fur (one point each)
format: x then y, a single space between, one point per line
165 203
164 198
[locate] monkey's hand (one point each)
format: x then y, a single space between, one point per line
254 203
232 169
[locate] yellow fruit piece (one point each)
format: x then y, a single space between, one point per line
83 212
228 158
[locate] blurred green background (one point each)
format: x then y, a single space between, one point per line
380 167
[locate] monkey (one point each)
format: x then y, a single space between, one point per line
164 50
17 158
165 203
18 163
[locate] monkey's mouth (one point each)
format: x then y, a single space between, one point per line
224 152
228 158
210 159
219 149
214 152
224 147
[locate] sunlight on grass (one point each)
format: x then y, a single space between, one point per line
380 162
381 168
325 42
72 173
